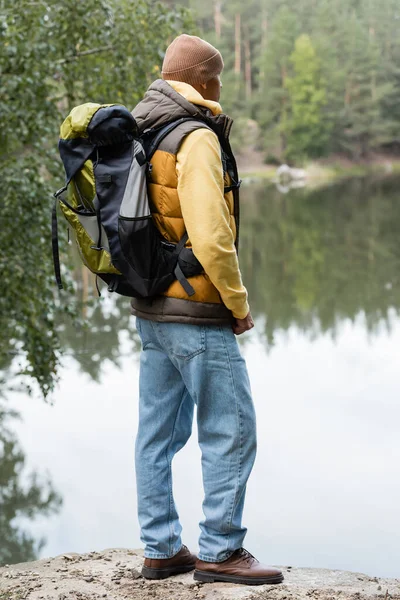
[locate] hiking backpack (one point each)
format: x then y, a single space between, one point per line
105 201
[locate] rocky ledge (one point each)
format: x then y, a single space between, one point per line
115 575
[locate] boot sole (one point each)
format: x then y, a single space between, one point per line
208 577
149 573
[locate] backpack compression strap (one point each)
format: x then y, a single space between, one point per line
54 239
150 148
178 271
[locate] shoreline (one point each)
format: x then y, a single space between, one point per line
323 172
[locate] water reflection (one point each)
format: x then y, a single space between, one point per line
313 259
98 338
309 258
322 269
21 496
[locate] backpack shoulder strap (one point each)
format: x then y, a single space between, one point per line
152 138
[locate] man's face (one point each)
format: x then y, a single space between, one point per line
212 91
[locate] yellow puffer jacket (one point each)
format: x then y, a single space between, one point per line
187 193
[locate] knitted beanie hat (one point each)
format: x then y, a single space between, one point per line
192 60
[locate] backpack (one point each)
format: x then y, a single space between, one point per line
105 201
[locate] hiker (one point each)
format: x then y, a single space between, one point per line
190 354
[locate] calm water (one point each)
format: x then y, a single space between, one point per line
323 273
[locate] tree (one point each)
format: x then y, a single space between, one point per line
55 55
358 49
272 104
362 123
304 125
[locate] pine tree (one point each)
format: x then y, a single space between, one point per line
362 94
272 101
304 126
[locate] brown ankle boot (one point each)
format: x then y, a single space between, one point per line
240 567
160 568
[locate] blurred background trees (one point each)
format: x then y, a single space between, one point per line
350 81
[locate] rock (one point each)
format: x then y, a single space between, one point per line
284 174
134 573
94 582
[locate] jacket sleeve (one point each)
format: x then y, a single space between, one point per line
206 216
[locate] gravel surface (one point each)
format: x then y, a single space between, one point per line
114 574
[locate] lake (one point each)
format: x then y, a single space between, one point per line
323 272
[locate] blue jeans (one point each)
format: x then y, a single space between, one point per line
181 365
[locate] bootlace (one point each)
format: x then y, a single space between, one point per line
246 555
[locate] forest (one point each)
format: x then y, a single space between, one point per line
319 77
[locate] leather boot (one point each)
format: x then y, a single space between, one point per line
160 568
240 567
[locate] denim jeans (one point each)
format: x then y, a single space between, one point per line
181 365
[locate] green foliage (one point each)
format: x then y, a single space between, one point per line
272 101
305 128
98 338
53 56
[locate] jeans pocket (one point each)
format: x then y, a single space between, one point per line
142 327
182 340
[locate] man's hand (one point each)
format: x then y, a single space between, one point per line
241 325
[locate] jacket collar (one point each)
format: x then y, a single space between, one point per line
162 104
194 97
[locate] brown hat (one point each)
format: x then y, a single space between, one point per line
192 60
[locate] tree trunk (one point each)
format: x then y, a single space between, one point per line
264 41
347 93
238 45
284 110
217 18
247 67
373 73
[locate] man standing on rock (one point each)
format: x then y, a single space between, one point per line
190 354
